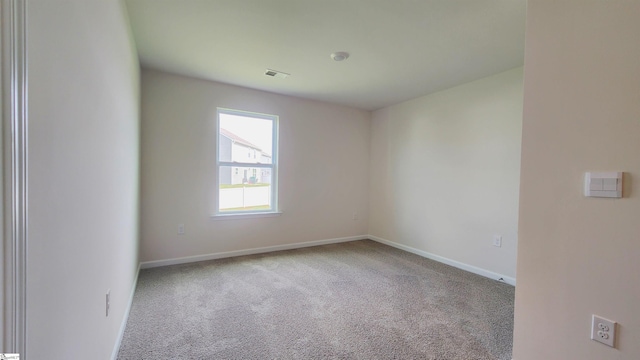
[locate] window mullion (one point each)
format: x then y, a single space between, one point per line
239 164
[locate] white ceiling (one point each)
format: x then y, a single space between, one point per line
400 49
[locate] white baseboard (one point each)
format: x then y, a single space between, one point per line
189 259
196 258
116 348
459 265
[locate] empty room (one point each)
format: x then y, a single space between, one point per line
297 179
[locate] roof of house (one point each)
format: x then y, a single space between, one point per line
238 139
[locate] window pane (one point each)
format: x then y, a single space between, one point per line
245 139
246 162
244 188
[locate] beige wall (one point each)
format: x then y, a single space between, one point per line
324 164
579 256
445 173
83 91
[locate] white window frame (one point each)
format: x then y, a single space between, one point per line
273 166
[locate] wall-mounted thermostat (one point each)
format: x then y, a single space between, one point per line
603 184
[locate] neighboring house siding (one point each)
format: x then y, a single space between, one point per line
265 176
234 151
242 153
225 155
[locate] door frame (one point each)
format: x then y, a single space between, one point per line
14 176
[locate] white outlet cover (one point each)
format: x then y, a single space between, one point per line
497 241
107 302
603 330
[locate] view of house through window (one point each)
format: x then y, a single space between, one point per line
246 158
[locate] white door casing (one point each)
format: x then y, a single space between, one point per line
14 176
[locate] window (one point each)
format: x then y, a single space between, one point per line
253 189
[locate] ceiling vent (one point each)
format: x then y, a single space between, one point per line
275 73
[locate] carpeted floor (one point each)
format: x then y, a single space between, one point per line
356 300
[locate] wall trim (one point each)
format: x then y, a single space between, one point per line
125 318
466 267
470 268
14 177
261 250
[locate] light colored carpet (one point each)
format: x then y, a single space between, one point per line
356 300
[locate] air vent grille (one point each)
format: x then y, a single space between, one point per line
275 73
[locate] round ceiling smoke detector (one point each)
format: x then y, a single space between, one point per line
340 56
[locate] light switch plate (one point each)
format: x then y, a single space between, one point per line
603 184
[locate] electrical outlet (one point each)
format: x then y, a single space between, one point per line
355 216
497 241
180 229
603 330
108 302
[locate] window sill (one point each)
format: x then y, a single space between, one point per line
245 215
